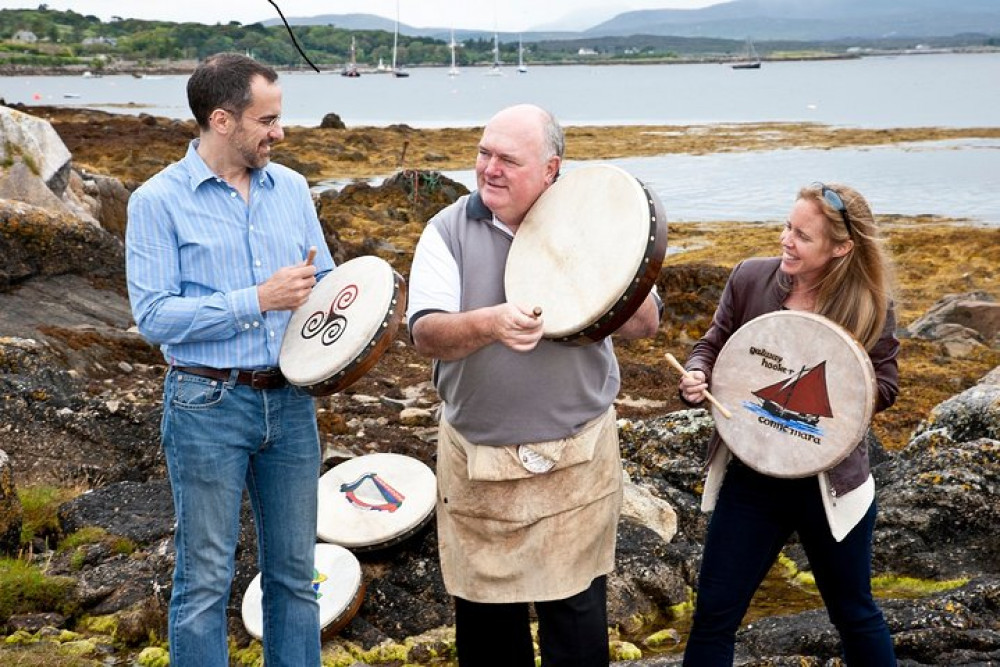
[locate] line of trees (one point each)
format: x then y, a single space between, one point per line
70 38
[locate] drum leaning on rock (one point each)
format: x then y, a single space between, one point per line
346 325
801 391
587 253
375 501
339 591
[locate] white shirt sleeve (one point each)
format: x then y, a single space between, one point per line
434 279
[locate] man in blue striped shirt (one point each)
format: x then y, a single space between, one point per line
216 252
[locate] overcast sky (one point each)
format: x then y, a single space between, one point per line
507 16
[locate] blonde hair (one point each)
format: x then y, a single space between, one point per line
856 290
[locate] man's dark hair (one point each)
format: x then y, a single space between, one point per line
223 81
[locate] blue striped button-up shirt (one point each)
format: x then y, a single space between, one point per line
196 251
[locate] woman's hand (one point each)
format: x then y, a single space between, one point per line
692 386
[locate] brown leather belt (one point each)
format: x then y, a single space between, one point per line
265 379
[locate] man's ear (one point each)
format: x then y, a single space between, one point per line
221 121
552 169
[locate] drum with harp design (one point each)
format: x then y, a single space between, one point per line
587 253
801 390
375 501
344 327
337 583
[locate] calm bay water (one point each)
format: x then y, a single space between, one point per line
960 178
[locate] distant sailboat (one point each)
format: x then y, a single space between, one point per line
521 67
396 72
494 69
802 398
750 58
454 68
352 67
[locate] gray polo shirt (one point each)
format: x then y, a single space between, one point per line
497 396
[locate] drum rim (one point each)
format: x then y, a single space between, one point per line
859 352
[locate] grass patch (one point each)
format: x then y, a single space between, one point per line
24 589
93 535
44 655
41 510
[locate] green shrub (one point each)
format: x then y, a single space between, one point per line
24 589
41 510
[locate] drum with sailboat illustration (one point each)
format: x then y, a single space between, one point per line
801 389
375 501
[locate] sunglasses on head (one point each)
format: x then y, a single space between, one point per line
834 200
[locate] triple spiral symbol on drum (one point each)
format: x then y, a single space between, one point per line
332 323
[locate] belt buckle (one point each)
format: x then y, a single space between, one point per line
263 379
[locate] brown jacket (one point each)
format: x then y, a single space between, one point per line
755 288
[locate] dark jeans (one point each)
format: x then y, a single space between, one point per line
754 517
571 633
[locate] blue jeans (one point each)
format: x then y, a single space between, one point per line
219 437
754 517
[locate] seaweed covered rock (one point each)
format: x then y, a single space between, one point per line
939 504
38 242
385 220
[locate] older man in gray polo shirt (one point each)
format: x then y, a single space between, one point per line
529 475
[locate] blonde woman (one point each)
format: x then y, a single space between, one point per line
831 263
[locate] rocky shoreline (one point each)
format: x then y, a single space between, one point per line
80 391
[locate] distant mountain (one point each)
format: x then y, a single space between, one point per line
807 20
373 22
578 20
812 19
348 22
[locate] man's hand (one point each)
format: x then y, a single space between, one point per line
288 288
450 336
516 328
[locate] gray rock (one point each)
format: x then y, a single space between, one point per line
35 242
666 454
991 378
11 511
35 622
975 413
32 141
939 508
645 508
959 316
141 511
332 121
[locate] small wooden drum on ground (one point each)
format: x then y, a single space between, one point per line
587 253
375 501
339 592
345 327
801 389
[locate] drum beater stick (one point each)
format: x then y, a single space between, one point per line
311 255
711 399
